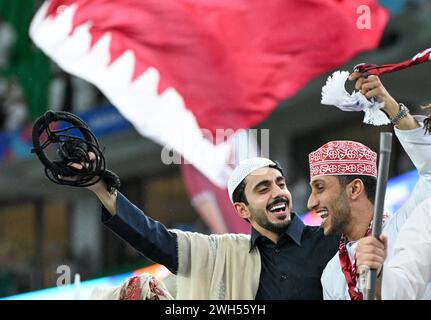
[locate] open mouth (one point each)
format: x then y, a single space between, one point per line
278 208
323 214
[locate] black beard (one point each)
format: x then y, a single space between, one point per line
341 216
276 228
262 220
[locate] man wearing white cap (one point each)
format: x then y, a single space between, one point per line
293 255
282 259
343 181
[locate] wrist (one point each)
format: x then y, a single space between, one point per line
391 108
401 114
108 199
98 188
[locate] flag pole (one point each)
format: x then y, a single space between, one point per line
382 180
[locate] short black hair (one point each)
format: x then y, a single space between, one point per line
427 125
238 194
427 121
369 182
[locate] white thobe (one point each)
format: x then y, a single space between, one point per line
418 148
407 274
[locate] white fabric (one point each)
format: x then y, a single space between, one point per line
216 267
334 93
243 169
418 147
407 274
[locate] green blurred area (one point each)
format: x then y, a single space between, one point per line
27 65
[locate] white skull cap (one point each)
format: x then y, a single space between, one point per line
243 169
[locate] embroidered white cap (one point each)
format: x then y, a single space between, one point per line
243 169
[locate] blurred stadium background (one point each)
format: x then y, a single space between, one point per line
43 226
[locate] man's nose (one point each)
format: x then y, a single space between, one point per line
278 191
312 202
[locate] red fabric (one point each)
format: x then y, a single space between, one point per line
374 69
155 290
349 270
131 290
343 158
231 60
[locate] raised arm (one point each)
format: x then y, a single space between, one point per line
148 236
411 133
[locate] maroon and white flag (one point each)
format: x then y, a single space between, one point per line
173 68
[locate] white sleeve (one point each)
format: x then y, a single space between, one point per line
408 273
418 147
326 294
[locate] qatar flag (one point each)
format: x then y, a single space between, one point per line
173 68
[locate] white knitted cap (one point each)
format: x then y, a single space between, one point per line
243 169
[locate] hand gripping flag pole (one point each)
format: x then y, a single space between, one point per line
366 275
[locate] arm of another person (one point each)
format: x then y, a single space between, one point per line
408 273
411 134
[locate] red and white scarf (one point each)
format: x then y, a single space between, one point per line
348 268
334 92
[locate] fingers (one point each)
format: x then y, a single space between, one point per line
354 76
374 93
370 87
365 84
369 244
360 80
371 252
370 261
384 240
82 165
359 83
371 81
66 178
79 166
374 257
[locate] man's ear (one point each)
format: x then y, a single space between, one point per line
242 210
355 189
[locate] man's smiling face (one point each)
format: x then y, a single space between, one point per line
269 200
